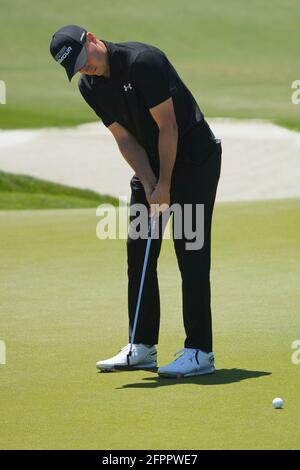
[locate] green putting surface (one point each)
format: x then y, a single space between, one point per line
64 306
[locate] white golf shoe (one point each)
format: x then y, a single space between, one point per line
142 357
191 362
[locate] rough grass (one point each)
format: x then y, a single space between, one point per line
26 192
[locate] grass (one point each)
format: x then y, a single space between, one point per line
288 124
25 192
238 58
63 306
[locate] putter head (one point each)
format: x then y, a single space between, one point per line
130 367
128 358
135 368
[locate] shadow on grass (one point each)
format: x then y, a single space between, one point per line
220 377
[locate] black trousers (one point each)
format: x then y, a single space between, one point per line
194 181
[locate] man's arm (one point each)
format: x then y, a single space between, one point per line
136 156
164 116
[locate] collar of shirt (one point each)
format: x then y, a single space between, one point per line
115 61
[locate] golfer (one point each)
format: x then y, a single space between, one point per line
161 132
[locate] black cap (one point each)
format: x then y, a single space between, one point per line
67 48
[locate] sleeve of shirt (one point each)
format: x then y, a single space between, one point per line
105 116
150 76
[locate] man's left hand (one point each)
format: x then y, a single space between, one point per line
160 199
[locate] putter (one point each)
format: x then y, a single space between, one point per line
151 228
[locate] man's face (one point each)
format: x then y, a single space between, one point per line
93 64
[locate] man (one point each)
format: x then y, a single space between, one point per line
163 135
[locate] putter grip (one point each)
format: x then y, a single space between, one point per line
152 225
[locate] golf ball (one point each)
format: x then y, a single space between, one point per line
277 403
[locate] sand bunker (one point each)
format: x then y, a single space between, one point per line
260 160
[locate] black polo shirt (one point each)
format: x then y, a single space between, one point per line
142 77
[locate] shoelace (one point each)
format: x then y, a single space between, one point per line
185 351
126 347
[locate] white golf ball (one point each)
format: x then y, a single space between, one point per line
277 403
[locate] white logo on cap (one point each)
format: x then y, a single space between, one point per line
62 54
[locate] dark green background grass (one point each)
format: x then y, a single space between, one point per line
64 306
239 58
26 192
